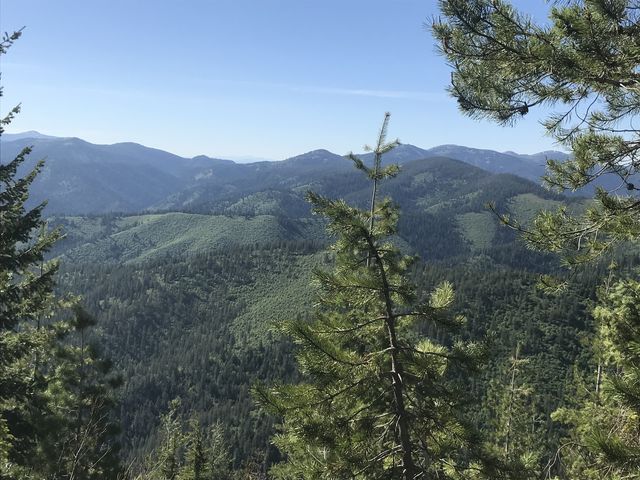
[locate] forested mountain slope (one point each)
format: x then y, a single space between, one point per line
80 177
199 326
187 292
186 299
444 205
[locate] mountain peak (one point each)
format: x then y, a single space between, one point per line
314 155
10 137
317 152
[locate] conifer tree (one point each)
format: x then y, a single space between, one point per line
605 437
516 435
376 399
583 63
26 303
168 457
206 456
187 450
83 387
195 465
55 395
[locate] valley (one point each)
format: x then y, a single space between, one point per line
188 290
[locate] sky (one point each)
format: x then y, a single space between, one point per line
240 78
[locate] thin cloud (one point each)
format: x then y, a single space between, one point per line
364 92
355 92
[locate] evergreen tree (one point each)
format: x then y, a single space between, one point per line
166 460
206 456
26 303
376 399
584 61
188 451
515 433
83 389
605 438
55 395
195 467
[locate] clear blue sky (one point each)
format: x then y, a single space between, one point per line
228 78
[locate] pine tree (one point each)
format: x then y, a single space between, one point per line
584 62
206 456
166 460
26 304
605 436
83 389
187 450
55 395
516 434
377 399
195 467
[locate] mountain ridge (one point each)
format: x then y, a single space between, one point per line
82 178
248 159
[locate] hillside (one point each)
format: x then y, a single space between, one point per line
443 203
187 295
81 178
144 237
199 326
531 167
187 301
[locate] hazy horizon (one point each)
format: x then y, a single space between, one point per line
255 159
240 78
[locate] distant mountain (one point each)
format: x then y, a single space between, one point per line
249 159
250 187
401 154
80 177
10 137
531 167
84 178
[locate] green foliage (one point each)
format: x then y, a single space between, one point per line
83 388
147 237
283 290
479 229
605 433
517 428
376 400
584 61
526 206
26 303
197 327
187 451
55 392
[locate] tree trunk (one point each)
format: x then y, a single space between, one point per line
409 468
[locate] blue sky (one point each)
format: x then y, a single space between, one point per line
232 78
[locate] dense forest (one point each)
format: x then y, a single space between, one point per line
346 318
